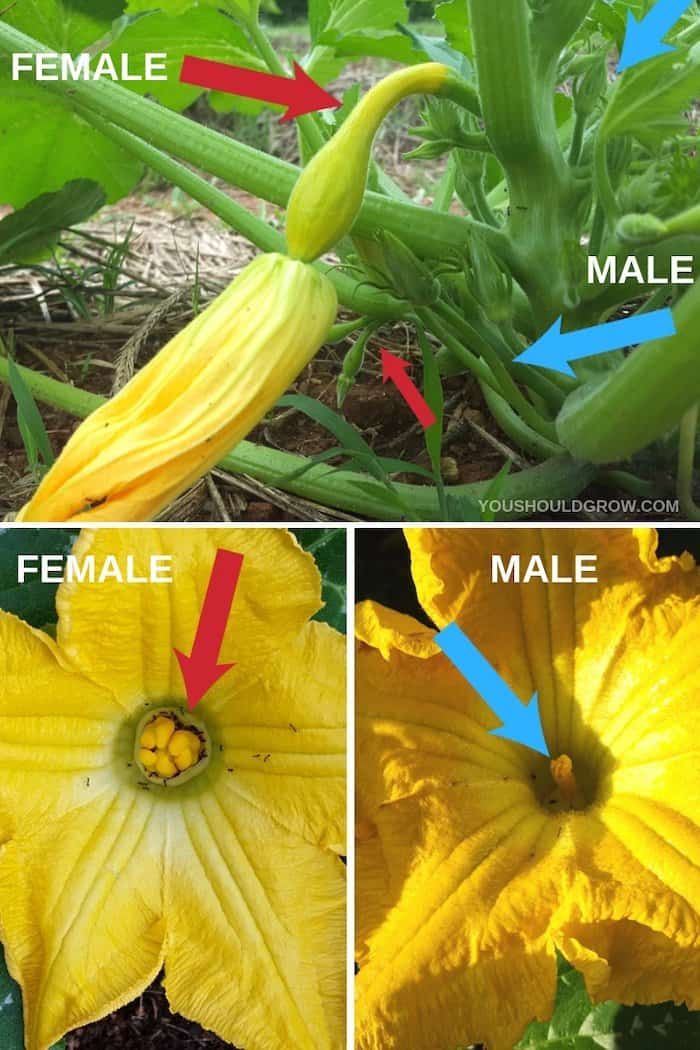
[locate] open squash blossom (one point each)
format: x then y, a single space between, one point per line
479 858
194 401
137 835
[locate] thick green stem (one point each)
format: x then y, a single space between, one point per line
645 398
249 169
521 126
560 478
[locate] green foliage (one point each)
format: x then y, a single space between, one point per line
48 142
27 234
202 32
328 548
578 1024
31 426
32 601
560 151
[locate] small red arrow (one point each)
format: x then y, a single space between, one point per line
201 670
395 369
299 93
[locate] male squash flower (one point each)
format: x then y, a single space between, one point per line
136 835
479 858
194 401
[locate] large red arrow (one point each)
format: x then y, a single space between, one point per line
201 669
299 93
395 369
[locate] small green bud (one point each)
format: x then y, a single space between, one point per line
641 229
404 273
493 287
429 150
590 86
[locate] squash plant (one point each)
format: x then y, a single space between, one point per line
553 158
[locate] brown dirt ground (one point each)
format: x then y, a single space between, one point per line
145 1024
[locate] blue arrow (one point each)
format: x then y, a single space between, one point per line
644 39
521 722
553 350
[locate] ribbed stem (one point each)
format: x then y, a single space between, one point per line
560 478
242 166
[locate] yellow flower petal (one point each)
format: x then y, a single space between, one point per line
82 924
474 863
533 634
420 724
194 401
283 737
56 728
278 928
279 589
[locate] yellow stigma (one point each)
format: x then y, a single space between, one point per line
563 773
167 747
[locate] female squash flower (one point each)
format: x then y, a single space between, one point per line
194 401
138 836
479 858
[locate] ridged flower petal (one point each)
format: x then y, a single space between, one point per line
557 640
471 871
56 728
283 737
278 590
227 879
256 928
81 910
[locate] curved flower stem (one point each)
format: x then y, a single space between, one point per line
350 293
527 439
505 385
560 478
686 464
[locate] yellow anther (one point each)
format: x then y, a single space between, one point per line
163 728
563 774
168 748
183 741
165 767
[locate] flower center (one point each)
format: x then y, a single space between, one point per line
566 792
169 749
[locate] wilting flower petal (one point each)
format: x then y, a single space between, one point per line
194 401
476 860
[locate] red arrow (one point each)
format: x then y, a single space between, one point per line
394 368
299 93
201 670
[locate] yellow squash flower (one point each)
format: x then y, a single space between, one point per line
221 866
194 401
477 857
